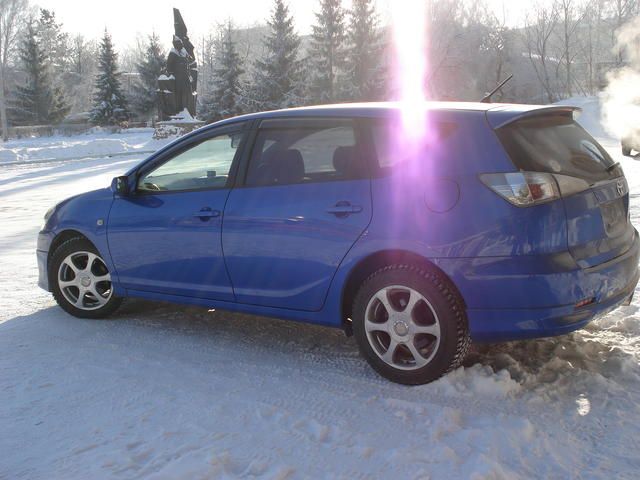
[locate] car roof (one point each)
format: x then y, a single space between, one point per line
497 114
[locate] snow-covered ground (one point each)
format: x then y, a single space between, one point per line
163 391
97 143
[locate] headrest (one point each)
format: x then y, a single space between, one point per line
343 158
288 166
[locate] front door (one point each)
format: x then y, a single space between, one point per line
305 202
166 237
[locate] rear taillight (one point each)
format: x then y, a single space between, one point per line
525 189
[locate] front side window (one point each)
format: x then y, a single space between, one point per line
201 167
301 155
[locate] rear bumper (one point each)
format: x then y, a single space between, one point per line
550 297
506 325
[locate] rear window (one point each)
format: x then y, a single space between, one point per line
557 144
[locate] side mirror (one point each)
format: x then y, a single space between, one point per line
120 185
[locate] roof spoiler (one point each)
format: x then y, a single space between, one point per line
505 115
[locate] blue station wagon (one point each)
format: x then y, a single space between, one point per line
505 222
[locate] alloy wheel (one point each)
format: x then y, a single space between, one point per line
85 281
402 327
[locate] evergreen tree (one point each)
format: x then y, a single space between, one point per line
364 77
36 102
276 79
225 98
327 51
145 91
110 106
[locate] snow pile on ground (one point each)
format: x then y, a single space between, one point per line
95 144
163 391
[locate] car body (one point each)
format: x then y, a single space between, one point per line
630 143
294 232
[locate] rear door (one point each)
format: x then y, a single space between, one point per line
305 202
597 206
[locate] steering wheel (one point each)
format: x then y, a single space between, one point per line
151 186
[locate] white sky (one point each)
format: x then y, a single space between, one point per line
125 19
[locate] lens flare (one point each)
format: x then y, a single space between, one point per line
409 25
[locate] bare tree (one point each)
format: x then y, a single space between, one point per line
622 11
444 28
538 34
570 18
495 44
11 16
590 43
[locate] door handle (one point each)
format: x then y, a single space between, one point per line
343 209
206 213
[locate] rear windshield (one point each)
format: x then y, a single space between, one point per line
557 144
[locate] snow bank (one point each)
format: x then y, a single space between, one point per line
95 144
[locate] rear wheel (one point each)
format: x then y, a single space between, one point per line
410 324
81 281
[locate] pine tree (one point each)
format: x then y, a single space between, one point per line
36 102
276 79
327 51
365 76
110 106
145 91
225 98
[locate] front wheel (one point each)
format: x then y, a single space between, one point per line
81 281
410 324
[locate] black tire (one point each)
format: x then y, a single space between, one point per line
448 310
626 151
66 249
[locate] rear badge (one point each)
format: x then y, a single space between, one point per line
620 187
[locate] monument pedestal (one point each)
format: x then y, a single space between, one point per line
178 125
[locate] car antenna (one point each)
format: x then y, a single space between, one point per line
487 98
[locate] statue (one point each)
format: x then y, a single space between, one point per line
177 88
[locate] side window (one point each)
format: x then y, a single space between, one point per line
388 143
203 166
309 154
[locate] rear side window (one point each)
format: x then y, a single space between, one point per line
557 144
301 155
388 143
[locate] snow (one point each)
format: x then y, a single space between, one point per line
97 143
183 117
163 391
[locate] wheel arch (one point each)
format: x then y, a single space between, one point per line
59 239
62 237
373 262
